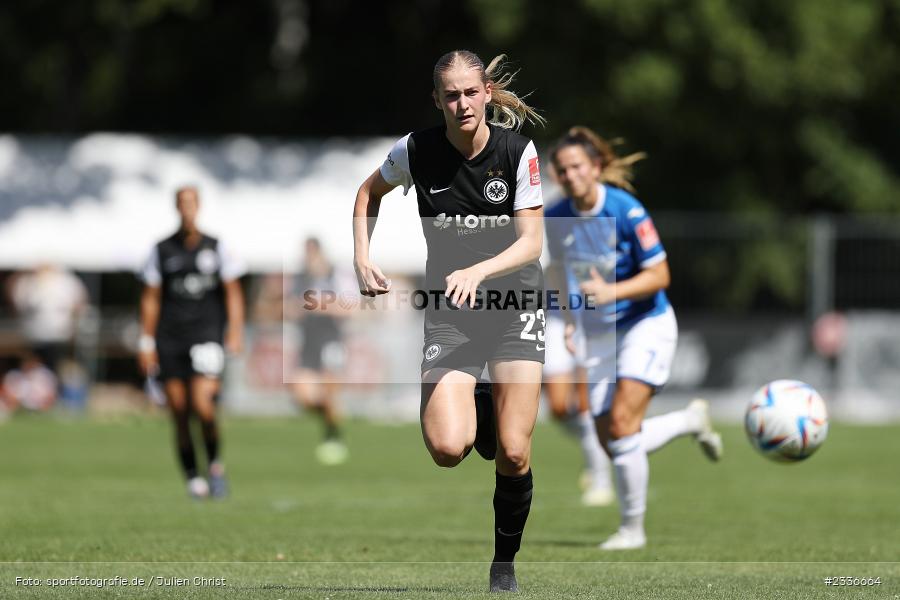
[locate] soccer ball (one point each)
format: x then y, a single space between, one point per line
786 420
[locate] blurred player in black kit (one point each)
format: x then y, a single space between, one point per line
315 384
192 312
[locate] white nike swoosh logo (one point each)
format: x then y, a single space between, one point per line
538 347
501 532
434 191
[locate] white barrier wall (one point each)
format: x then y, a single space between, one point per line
99 202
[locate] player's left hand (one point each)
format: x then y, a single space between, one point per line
462 285
234 343
598 289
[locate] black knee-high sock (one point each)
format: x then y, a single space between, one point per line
185 446
210 439
512 502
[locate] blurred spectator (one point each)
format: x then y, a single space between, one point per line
74 385
32 386
48 301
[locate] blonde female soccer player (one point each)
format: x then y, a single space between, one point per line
479 197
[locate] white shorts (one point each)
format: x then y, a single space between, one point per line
557 358
642 351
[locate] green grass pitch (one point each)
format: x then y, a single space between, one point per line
103 499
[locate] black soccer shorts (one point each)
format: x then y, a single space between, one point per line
467 340
183 359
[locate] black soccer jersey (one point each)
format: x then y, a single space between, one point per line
192 306
467 206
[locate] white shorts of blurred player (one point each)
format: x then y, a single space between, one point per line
557 358
642 351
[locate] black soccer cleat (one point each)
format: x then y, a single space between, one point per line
486 429
503 577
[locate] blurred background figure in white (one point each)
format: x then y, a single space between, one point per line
48 301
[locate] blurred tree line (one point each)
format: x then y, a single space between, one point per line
759 106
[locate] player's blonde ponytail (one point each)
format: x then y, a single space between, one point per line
614 169
510 111
507 109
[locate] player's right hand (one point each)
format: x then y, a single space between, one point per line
372 281
148 361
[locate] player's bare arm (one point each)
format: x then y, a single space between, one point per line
234 307
148 360
365 212
462 284
646 283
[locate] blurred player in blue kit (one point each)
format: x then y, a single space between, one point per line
614 259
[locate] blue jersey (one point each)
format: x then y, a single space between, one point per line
618 239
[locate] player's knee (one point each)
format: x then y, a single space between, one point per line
447 454
177 401
179 410
446 459
204 408
559 410
516 454
622 425
311 402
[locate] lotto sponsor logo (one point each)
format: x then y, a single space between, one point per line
471 222
534 170
647 235
442 221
